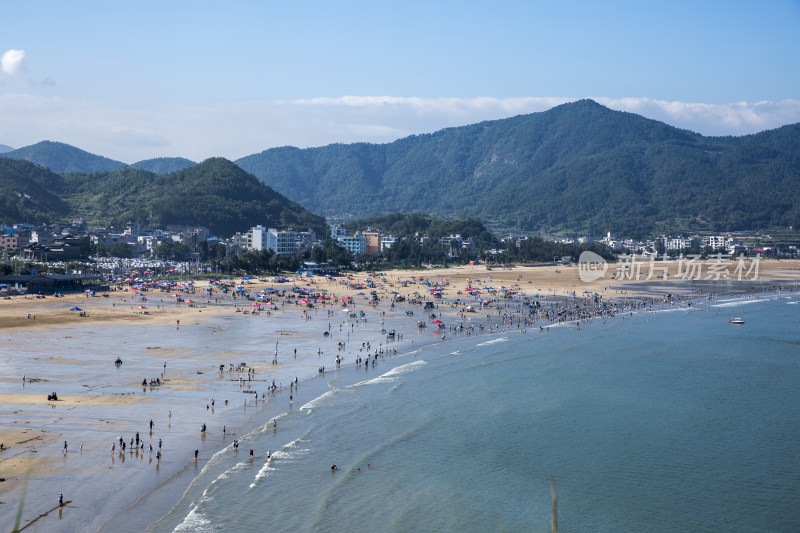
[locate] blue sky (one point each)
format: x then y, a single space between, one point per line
200 79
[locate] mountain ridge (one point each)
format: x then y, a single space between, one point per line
215 194
164 165
63 158
578 167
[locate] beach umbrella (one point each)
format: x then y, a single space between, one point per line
437 321
76 308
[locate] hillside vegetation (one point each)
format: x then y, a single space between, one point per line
579 167
164 165
215 194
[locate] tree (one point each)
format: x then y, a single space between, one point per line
172 251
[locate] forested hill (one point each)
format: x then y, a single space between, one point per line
28 193
215 194
63 158
164 165
579 167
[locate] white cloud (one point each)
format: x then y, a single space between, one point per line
239 128
735 118
12 61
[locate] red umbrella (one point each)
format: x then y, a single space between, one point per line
437 321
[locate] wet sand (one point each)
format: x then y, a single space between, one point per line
98 401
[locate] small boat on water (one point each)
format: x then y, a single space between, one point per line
736 320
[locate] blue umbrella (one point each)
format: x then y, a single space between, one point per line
76 309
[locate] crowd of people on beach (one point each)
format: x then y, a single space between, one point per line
485 312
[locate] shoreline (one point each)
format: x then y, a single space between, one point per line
186 350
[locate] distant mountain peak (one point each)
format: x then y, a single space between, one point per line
164 165
63 158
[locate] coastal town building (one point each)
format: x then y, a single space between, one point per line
387 241
676 243
11 240
306 240
372 241
282 242
338 232
355 244
64 248
257 238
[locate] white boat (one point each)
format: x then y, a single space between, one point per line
736 320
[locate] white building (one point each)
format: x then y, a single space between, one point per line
338 232
387 242
677 243
282 242
257 238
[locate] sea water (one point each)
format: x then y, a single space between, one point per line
659 421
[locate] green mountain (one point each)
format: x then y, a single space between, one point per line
63 158
5 148
26 193
579 167
164 165
216 194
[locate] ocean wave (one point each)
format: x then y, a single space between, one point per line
392 375
287 453
740 302
262 473
493 341
319 400
195 522
673 309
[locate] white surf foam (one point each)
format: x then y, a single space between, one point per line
738 303
194 522
493 341
319 400
392 375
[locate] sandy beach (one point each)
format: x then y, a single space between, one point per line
194 377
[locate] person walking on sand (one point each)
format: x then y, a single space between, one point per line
65 446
